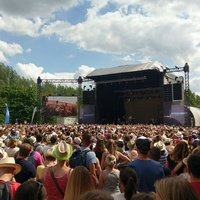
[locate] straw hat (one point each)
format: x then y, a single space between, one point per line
49 152
179 134
77 140
160 145
62 151
9 162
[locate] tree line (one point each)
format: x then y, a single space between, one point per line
21 94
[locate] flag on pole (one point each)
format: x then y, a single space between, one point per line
7 115
33 115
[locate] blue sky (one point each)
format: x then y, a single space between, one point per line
68 38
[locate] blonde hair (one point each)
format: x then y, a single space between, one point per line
110 160
79 182
12 143
131 144
175 188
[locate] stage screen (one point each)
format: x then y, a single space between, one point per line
174 113
63 106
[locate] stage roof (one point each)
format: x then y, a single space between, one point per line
196 114
126 69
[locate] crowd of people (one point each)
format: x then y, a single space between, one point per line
116 162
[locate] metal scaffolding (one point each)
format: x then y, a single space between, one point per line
80 80
184 69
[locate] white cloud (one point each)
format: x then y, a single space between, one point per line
29 70
32 71
127 58
21 26
59 28
146 30
31 9
2 57
194 84
9 50
83 71
27 17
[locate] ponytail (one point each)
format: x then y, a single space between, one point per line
130 188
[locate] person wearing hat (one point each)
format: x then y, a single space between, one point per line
13 134
49 160
148 171
8 169
56 177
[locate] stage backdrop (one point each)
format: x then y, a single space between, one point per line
65 108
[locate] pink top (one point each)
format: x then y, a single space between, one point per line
38 159
52 192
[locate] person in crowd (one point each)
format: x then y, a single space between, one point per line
148 171
53 139
131 153
31 190
38 145
163 152
13 134
28 169
175 188
8 169
12 148
109 178
34 157
128 184
175 161
100 148
120 146
193 164
111 147
49 160
79 182
91 159
155 154
143 196
96 195
56 177
77 143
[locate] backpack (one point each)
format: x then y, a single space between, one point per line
31 158
36 146
5 191
78 158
